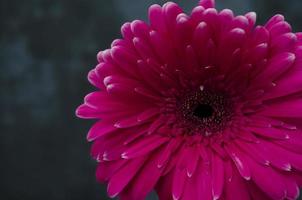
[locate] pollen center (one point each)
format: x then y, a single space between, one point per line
204 112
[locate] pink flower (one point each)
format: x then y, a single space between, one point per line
200 106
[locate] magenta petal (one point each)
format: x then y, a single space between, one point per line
274 20
286 85
256 192
259 176
235 185
218 176
87 112
143 147
99 129
207 3
93 79
106 170
128 122
293 143
164 185
178 183
122 177
205 179
277 65
280 28
193 156
240 162
169 149
156 18
270 132
291 109
143 183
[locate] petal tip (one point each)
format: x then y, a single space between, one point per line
124 155
175 197
207 3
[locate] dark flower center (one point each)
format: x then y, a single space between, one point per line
205 112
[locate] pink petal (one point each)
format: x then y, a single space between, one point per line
273 133
143 48
94 79
257 53
204 182
200 38
106 170
269 151
140 29
123 176
99 129
240 161
156 18
128 122
171 11
280 28
149 76
207 3
288 84
197 15
166 153
156 124
274 20
164 187
178 183
283 42
87 112
252 17
125 60
144 146
101 102
163 47
260 35
290 109
256 192
193 157
241 22
145 179
260 176
126 31
217 176
147 114
235 186
292 189
252 150
293 143
276 66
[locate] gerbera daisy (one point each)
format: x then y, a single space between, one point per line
200 106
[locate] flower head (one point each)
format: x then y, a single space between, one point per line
200 106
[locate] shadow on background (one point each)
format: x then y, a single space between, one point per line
46 49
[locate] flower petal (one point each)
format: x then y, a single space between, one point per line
144 146
207 3
235 186
217 176
123 176
291 109
99 129
240 161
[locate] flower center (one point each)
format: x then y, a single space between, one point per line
205 112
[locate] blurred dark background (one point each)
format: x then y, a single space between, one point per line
46 49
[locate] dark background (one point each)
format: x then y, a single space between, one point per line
47 48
